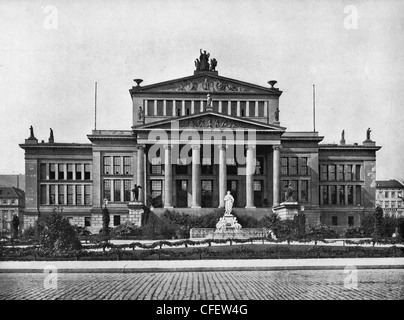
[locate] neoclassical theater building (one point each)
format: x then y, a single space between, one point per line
192 140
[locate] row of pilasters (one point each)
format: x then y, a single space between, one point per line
196 176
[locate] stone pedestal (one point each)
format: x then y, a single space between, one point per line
287 210
135 212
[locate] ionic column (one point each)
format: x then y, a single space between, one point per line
196 176
250 177
222 175
276 175
140 172
168 177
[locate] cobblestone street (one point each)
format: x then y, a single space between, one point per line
255 285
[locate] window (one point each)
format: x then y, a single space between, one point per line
304 168
304 193
69 171
284 166
386 194
79 198
70 195
117 220
358 172
43 194
350 195
87 172
160 105
341 172
126 190
387 204
231 166
393 204
293 165
333 194
155 166
52 171
107 190
349 175
358 195
233 108
78 171
225 107
127 165
169 107
117 190
150 107
257 186
87 221
156 188
324 173
341 195
331 172
117 165
61 173
87 195
107 165
261 107
393 194
334 220
52 194
351 221
206 167
325 194
379 194
43 171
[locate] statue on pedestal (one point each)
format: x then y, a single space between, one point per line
368 131
228 203
135 191
140 113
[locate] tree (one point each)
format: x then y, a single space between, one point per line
105 221
15 223
300 224
58 235
378 214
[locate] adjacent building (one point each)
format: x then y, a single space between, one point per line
12 202
192 140
389 196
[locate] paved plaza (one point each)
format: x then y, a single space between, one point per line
225 285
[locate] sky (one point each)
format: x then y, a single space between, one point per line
52 53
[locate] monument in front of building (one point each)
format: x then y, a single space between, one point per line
289 207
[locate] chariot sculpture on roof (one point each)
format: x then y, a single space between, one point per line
202 64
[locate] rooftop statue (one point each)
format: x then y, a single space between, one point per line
368 131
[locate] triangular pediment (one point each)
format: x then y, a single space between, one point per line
209 120
204 83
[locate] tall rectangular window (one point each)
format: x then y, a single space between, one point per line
117 190
350 195
127 165
225 107
304 168
150 107
61 194
324 172
87 195
349 175
341 172
43 194
284 166
160 109
117 220
351 221
341 195
107 190
52 171
117 165
79 198
358 172
334 221
358 195
52 194
69 171
333 194
70 194
261 107
234 108
169 107
107 165
87 172
61 172
126 190
78 171
331 172
295 186
43 171
156 166
87 221
304 193
293 165
156 190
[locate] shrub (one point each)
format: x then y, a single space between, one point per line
353 232
126 229
367 224
29 232
58 235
